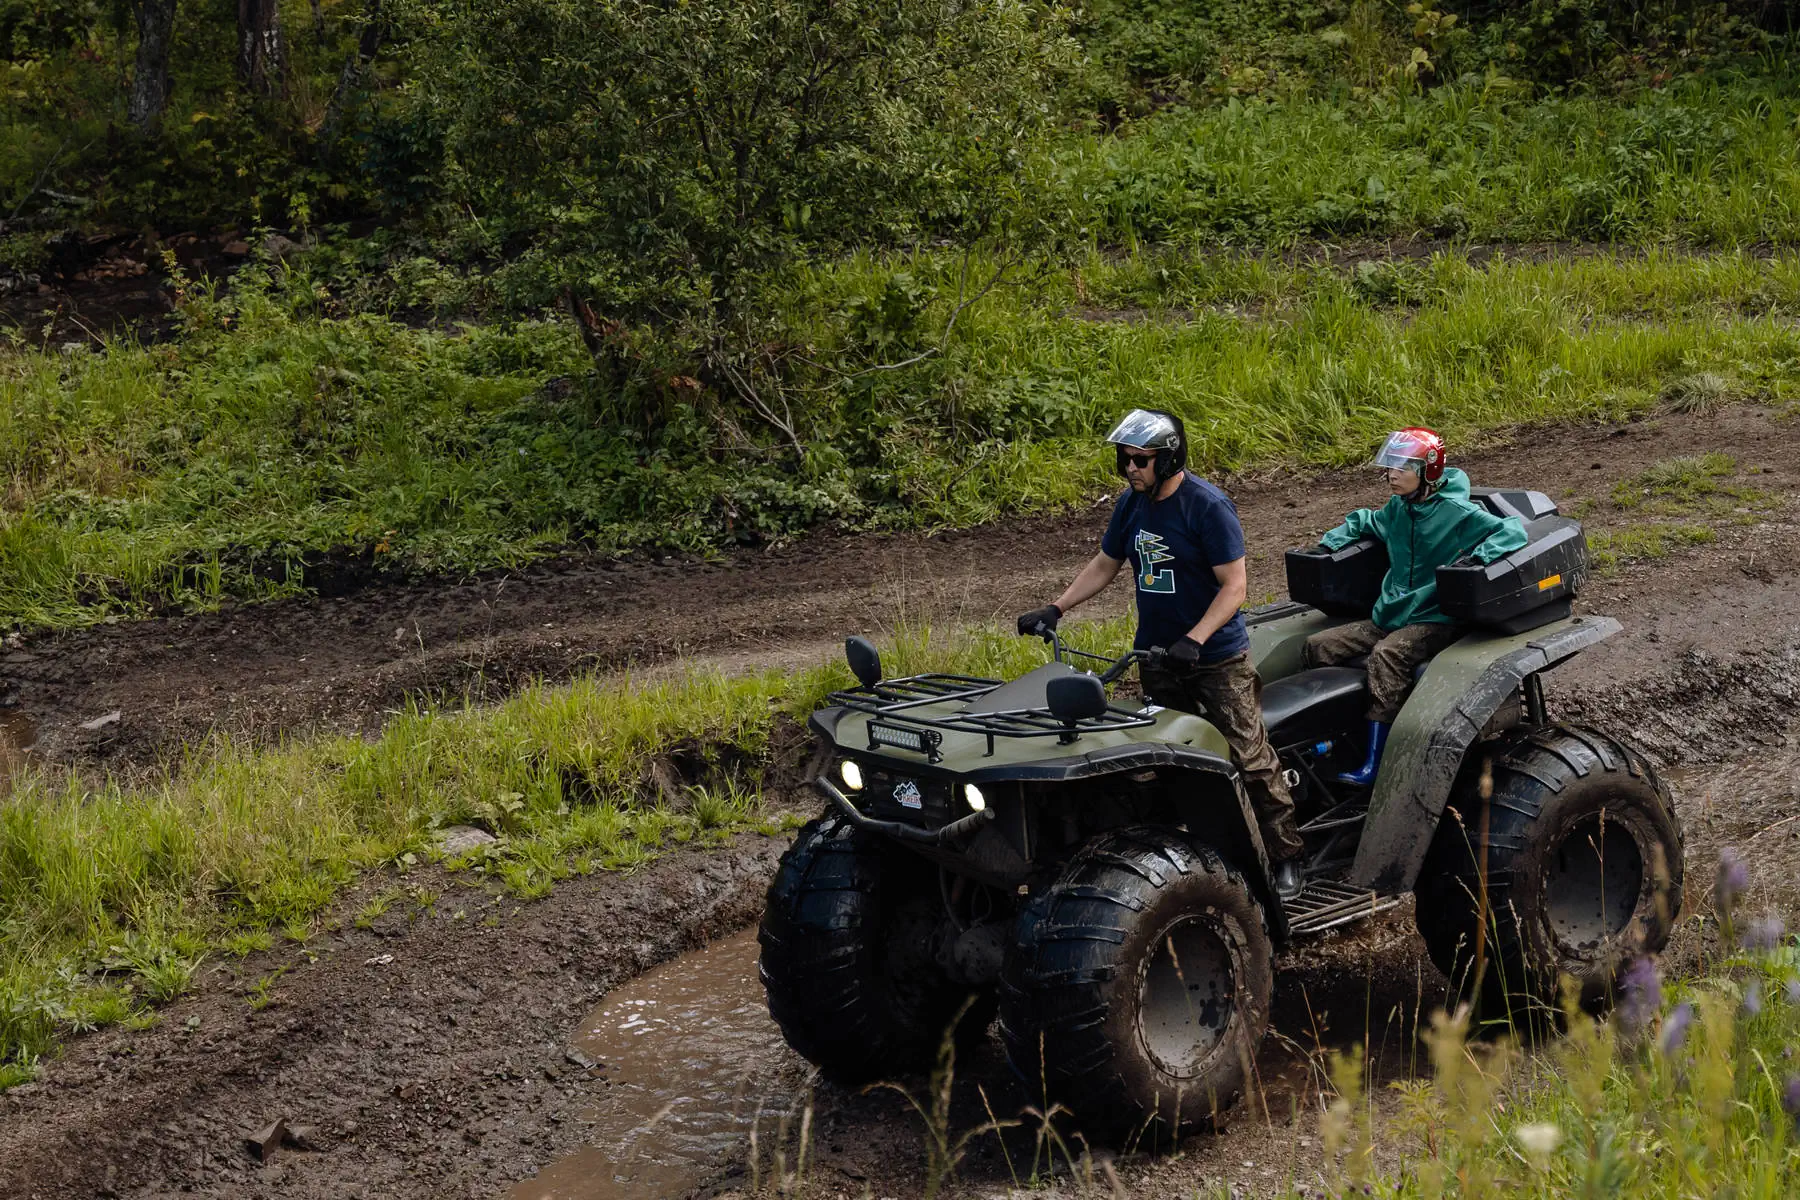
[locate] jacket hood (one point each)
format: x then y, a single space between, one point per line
1454 485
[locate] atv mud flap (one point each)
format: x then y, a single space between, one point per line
1452 703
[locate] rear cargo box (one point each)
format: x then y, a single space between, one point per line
1514 502
1530 587
1341 583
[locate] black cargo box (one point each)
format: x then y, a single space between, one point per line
1341 583
1532 586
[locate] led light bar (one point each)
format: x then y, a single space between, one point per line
901 737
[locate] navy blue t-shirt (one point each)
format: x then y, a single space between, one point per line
1173 546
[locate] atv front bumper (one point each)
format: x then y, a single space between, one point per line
942 836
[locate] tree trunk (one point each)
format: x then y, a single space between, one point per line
351 78
150 80
259 46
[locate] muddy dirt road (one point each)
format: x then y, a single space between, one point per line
343 663
436 1053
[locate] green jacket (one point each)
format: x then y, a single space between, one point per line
1422 537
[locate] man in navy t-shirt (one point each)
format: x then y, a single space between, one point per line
1186 549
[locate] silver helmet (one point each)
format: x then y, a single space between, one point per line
1152 429
1149 429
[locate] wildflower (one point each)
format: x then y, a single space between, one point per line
1675 1028
1733 879
1753 998
1793 991
1763 934
1640 995
1790 1097
1540 1139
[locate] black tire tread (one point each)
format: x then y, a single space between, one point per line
823 957
1524 776
1058 977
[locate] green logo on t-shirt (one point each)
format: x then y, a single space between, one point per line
1152 553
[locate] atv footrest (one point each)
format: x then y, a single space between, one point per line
1339 816
1326 905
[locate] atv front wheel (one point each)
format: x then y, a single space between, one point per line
1138 986
1584 865
847 957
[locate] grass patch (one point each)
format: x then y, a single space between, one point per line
1660 501
1688 484
1638 543
111 894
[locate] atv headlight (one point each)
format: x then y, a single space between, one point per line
973 795
851 774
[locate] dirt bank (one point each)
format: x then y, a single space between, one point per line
428 1051
343 663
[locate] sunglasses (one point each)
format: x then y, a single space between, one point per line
1140 461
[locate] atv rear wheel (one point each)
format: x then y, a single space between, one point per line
847 962
1584 864
1138 986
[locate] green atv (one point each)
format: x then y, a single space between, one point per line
1093 869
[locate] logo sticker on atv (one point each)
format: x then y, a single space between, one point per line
1152 553
907 793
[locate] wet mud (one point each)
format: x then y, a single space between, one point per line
689 1061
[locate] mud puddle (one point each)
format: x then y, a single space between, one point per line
689 1058
18 737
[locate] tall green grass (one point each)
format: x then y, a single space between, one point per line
111 890
1702 161
246 458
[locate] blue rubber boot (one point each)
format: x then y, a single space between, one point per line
1364 775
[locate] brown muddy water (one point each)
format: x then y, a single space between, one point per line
18 737
690 1058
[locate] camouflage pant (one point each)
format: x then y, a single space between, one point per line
1393 657
1229 694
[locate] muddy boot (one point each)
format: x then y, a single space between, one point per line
1289 880
1364 775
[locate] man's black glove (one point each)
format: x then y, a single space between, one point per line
1040 621
1185 652
1468 560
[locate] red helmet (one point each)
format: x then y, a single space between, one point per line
1414 449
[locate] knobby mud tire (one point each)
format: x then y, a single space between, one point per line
1094 1010
1563 802
847 956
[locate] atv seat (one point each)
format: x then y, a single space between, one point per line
1314 705
1361 663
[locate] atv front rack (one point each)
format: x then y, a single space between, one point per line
893 705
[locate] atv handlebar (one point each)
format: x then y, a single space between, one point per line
1116 667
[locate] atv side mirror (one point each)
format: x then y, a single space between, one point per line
864 659
1075 697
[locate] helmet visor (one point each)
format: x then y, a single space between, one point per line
1402 450
1152 431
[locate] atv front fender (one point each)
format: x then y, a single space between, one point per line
1449 707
